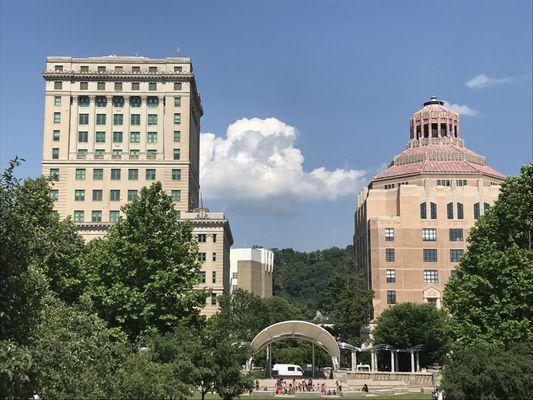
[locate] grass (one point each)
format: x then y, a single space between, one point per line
402 396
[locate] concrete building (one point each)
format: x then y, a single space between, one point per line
251 269
413 219
115 124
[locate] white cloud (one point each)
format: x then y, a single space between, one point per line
462 109
258 162
482 80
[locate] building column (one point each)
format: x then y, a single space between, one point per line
417 361
396 363
109 127
73 129
354 361
412 361
126 125
313 361
392 366
373 360
143 127
160 124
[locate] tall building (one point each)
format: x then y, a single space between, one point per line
115 124
251 269
413 219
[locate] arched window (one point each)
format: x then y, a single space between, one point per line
423 211
486 207
449 210
433 210
460 213
476 210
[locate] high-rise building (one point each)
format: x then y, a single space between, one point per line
115 124
413 219
251 269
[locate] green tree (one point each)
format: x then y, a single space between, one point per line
407 325
141 276
348 304
491 296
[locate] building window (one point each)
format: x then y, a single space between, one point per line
152 137
96 216
101 101
389 234
177 101
202 238
98 174
84 68
117 137
118 86
423 211
101 68
389 255
57 117
97 195
58 68
82 154
486 207
80 174
214 238
55 153
100 86
152 86
152 119
150 174
201 276
135 70
58 85
119 68
83 119
114 215
54 193
176 195
431 276
83 136
433 209
100 137
135 86
201 257
177 136
432 301
57 100
151 154
177 85
135 137
430 255
115 174
476 211
100 119
456 254
213 299
176 154
214 257
443 182
114 195
449 210
135 119
235 275
152 101
55 136
118 101
461 182
176 174
214 277
79 195
456 235
134 154
117 119
152 69
177 118
79 216
83 101
84 85
391 296
390 274
54 174
117 154
135 101
390 186
99 154
460 212
132 195
429 234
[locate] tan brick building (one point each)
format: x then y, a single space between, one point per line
115 124
413 219
251 269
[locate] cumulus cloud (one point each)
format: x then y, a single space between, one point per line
258 162
462 109
482 80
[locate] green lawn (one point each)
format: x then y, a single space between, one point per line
402 396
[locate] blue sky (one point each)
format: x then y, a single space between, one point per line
338 78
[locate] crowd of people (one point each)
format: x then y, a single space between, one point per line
282 387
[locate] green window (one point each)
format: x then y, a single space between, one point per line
114 215
57 117
117 137
152 101
115 174
135 101
201 276
136 69
100 86
117 119
176 154
80 174
82 153
54 173
58 85
98 174
84 68
79 216
97 195
101 68
152 119
133 174
83 119
83 101
150 174
176 174
135 119
177 136
201 257
135 86
177 101
214 277
54 193
55 136
176 195
117 153
84 85
100 137
132 195
135 137
151 154
55 153
177 85
57 100
101 101
99 153
79 195
213 299
118 85
134 154
58 68
152 86
152 69
118 101
83 136
100 119
96 216
177 118
214 256
152 137
114 195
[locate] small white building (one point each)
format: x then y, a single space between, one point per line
251 269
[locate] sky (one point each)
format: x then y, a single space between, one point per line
304 101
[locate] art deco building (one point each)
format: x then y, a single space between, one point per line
251 269
115 124
413 219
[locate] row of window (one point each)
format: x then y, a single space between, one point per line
151 154
201 274
118 68
429 234
202 238
453 210
118 119
116 174
96 216
202 257
430 276
100 136
118 101
118 86
391 298
114 195
428 255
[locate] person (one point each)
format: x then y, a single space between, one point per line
257 384
440 396
365 388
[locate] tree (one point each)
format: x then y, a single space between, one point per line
348 304
141 276
407 325
491 296
479 372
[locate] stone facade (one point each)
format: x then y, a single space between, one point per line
251 269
